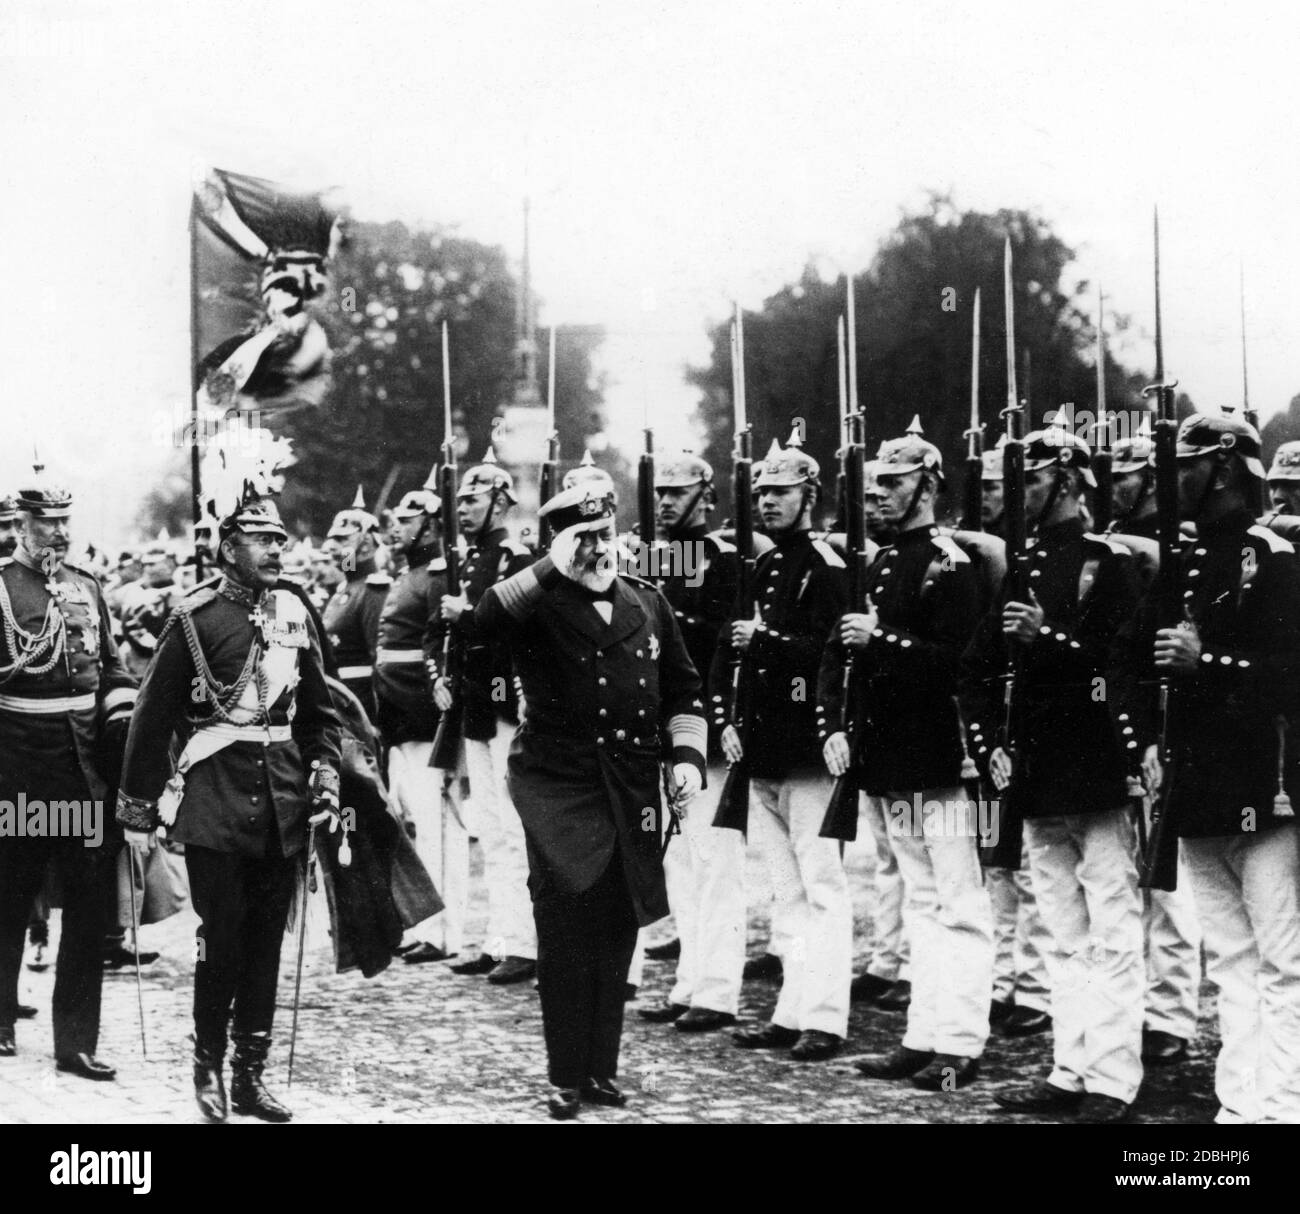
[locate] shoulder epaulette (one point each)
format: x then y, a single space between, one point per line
828 554
1118 547
197 598
950 548
1274 541
639 581
6 560
81 569
438 564
379 579
722 545
515 548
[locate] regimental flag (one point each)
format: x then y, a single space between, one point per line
261 263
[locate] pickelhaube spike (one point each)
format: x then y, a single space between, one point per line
489 456
796 437
915 427
359 501
773 452
586 461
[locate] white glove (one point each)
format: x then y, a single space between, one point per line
686 784
139 841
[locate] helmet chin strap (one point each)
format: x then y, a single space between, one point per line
1141 496
1058 483
916 501
689 508
1204 499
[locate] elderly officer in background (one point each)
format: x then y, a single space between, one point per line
238 678
610 694
1284 479
351 617
10 525
705 871
408 720
488 718
65 703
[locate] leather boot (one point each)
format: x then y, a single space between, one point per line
209 1083
248 1095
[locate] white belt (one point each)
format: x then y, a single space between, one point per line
390 657
248 733
356 672
47 706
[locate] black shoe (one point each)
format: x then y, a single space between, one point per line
38 964
899 1063
484 963
703 1020
816 1046
512 969
946 1073
1102 1110
418 954
402 949
767 967
8 1047
1025 1022
1040 1097
248 1094
85 1065
663 1013
897 998
26 1011
562 1103
119 957
866 988
765 1037
999 1010
664 952
1162 1049
603 1091
209 1083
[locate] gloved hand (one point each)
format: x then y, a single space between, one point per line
323 791
139 841
686 784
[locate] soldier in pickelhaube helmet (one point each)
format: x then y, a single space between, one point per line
991 500
490 715
907 639
1284 479
878 531
1071 782
705 868
800 589
1231 668
10 524
351 617
408 720
65 702
1133 487
611 695
238 680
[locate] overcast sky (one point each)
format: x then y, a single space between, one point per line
677 154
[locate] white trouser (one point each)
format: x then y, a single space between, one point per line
886 943
1247 890
1020 938
510 928
1173 940
949 922
441 842
1085 879
811 892
704 868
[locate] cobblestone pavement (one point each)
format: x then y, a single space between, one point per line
421 1044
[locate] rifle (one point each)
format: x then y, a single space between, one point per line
1005 853
1160 861
972 518
551 465
733 803
1101 459
446 741
841 820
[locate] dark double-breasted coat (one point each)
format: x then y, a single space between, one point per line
404 689
351 618
605 704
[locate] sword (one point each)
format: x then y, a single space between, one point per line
674 818
302 940
135 937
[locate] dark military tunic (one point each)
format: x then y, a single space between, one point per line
926 592
351 619
403 686
486 678
801 592
1241 588
250 798
1071 757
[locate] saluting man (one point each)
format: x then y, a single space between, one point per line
800 587
907 644
351 617
408 720
1232 667
489 716
610 694
65 703
238 680
705 869
1071 784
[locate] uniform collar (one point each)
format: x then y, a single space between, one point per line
237 593
420 555
916 535
25 558
363 570
493 539
792 539
1060 533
